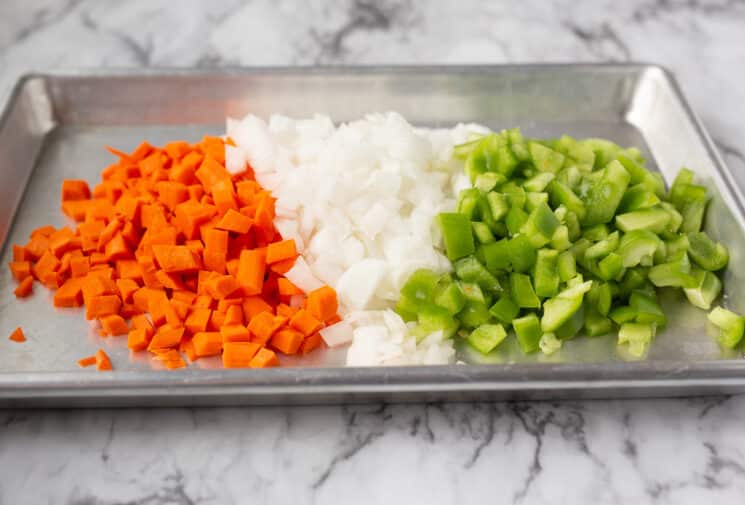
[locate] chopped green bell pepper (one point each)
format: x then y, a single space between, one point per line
486 337
706 291
545 278
709 255
528 332
457 235
731 326
505 309
604 195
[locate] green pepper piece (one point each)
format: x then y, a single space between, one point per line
545 278
596 324
522 291
676 245
566 266
604 195
623 314
516 219
611 267
456 233
572 223
570 176
731 326
654 220
432 318
515 194
573 325
474 314
420 286
603 248
468 203
706 291
486 337
451 298
528 332
522 253
559 309
538 182
676 220
533 200
600 297
488 181
472 292
560 241
637 335
540 226
549 343
497 255
638 197
596 233
647 309
407 308
544 158
505 310
561 194
470 269
462 151
638 247
498 205
676 273
709 255
482 232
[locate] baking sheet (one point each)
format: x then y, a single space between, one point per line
55 127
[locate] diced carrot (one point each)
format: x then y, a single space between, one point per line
70 294
287 288
117 249
234 315
210 172
170 358
203 301
166 337
76 209
198 319
20 269
280 251
137 339
176 258
114 325
222 286
282 267
17 335
264 359
20 253
238 354
24 288
254 305
234 221
177 149
87 361
102 305
251 269
75 190
224 304
305 323
235 333
287 340
207 343
79 266
102 361
216 321
286 311
310 343
322 303
43 231
263 325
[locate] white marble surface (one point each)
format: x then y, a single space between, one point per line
651 451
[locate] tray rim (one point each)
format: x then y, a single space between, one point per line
18 386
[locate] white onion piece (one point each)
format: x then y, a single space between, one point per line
337 334
301 276
358 283
235 159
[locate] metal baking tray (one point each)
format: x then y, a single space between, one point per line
55 127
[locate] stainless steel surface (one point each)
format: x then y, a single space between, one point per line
68 119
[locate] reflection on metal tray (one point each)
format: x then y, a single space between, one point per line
55 127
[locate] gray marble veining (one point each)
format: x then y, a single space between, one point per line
646 451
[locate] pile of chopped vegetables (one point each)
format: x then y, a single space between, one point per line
562 237
187 252
238 247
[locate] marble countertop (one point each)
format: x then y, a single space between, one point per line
644 451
